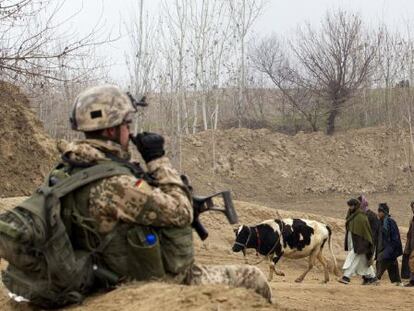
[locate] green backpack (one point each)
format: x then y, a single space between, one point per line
56 256
43 266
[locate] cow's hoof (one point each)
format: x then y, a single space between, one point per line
324 282
299 280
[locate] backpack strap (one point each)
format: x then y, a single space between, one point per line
69 184
86 176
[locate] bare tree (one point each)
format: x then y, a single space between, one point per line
269 56
33 42
336 61
392 56
141 57
41 53
243 14
208 41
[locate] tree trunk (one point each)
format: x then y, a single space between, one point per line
330 127
195 119
314 125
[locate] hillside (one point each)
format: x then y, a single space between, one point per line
267 167
258 165
26 152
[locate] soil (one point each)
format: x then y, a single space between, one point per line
271 168
26 152
288 295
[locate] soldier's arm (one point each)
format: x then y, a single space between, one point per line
171 196
134 200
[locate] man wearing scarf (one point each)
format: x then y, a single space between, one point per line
372 218
409 249
374 223
389 245
358 241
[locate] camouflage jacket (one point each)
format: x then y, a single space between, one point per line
124 197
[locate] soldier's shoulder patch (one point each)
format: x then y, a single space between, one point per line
143 186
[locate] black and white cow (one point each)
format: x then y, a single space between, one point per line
291 238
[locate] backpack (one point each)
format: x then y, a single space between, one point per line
43 266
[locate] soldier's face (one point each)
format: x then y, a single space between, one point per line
124 136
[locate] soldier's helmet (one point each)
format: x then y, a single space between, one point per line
101 107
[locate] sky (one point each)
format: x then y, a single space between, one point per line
280 16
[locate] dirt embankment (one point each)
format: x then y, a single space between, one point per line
258 165
267 167
26 152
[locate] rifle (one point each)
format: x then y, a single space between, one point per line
203 204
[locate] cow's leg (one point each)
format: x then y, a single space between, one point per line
246 261
311 263
271 268
275 261
324 263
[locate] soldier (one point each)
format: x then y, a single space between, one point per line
140 225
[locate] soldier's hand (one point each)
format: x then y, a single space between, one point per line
150 145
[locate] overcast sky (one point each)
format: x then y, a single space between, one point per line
280 16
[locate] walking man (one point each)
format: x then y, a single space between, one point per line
359 244
389 245
409 248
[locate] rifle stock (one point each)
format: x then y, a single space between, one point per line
204 204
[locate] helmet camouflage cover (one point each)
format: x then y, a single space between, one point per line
100 107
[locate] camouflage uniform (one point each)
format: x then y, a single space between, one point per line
245 276
126 198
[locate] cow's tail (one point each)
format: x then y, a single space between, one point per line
335 267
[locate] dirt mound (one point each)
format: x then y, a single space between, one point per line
26 152
162 296
266 167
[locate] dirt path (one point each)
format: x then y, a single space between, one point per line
311 295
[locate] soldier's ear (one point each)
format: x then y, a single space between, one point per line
235 230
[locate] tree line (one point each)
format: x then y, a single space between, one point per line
202 67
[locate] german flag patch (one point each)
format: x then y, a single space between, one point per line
138 183
142 186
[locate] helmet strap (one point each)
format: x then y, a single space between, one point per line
101 136
118 134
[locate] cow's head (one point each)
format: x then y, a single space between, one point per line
242 238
